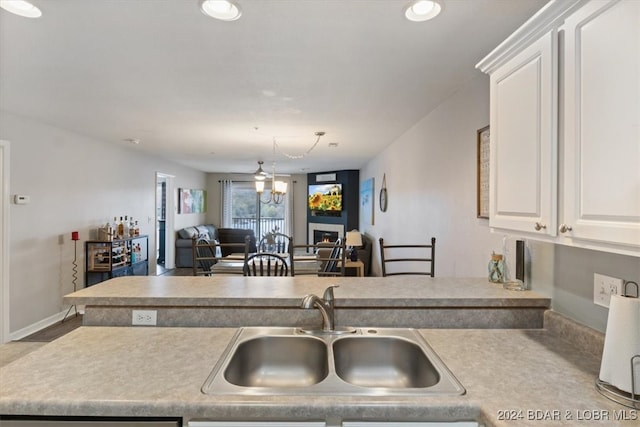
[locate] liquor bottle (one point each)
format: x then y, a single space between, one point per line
133 254
136 229
125 227
132 228
114 228
120 229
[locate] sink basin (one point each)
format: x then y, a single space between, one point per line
278 361
383 362
369 361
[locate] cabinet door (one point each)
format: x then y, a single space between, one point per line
602 117
523 154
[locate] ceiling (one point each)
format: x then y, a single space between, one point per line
214 95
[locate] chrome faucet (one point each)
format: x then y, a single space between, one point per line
325 305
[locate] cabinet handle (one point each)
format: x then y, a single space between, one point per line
564 228
540 226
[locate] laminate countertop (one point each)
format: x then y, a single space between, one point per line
235 301
224 291
512 378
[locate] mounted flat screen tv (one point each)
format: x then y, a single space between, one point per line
325 197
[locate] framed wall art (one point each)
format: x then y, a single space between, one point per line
366 201
483 172
191 201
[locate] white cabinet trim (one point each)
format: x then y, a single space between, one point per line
545 20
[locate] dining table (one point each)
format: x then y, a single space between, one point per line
304 263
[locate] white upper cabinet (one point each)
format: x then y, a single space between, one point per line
602 124
565 126
523 172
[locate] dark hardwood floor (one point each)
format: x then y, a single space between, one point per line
56 330
178 272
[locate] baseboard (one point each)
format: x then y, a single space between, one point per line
40 325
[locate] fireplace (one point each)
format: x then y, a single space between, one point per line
348 218
324 236
319 232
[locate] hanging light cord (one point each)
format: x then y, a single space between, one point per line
299 156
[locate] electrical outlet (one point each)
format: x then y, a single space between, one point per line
144 317
604 287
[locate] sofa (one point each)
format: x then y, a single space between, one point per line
185 236
236 235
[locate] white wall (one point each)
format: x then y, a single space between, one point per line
431 182
75 184
431 179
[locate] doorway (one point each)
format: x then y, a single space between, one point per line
4 241
165 233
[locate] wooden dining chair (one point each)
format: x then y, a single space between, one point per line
327 259
265 264
410 258
277 243
207 253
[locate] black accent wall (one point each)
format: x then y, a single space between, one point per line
350 215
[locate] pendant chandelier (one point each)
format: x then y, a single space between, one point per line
278 188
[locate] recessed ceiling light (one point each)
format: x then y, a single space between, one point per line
422 10
21 7
224 10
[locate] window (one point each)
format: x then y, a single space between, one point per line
248 212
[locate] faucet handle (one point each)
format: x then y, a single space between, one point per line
328 293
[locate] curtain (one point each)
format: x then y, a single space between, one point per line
289 199
226 196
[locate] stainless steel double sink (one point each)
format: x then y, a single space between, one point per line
368 361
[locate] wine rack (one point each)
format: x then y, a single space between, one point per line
124 257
